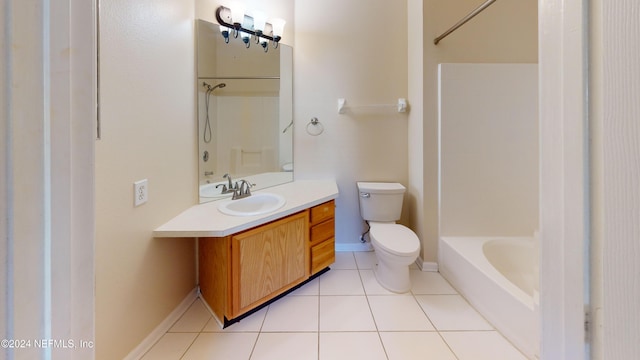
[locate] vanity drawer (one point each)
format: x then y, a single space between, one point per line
323 255
322 212
322 231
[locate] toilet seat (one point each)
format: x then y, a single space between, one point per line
395 238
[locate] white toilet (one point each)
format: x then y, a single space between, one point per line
395 245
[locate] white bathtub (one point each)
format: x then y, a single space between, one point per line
495 274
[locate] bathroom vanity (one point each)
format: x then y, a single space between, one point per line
255 249
244 262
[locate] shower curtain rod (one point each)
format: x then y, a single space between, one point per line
475 12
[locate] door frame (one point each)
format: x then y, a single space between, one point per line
564 178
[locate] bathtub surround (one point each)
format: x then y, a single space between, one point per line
504 33
488 149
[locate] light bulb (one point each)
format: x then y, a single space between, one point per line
237 12
259 21
278 27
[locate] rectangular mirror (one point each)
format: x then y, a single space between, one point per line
245 112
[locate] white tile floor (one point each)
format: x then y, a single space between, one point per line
344 314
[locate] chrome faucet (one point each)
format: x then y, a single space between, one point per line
228 177
242 190
230 188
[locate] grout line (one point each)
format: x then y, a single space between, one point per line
318 345
424 312
190 345
318 342
372 315
255 343
467 330
448 346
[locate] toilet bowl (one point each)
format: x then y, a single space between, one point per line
396 247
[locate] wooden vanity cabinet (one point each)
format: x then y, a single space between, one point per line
322 236
240 272
267 261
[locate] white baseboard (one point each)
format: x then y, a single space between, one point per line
213 314
427 265
163 327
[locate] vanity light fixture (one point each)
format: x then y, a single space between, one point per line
234 20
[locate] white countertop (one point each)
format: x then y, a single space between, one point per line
205 220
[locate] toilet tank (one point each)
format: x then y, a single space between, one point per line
380 201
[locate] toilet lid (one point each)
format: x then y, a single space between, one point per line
395 238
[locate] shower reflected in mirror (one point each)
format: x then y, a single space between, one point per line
245 119
207 99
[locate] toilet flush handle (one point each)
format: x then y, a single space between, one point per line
365 195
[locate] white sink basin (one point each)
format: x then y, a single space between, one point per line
256 204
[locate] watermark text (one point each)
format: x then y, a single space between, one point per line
46 344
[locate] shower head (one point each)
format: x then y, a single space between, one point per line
211 88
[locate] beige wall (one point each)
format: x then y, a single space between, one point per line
350 49
148 132
415 96
505 32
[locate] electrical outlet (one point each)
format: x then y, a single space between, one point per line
140 195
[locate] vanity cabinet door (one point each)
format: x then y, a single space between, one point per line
269 260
